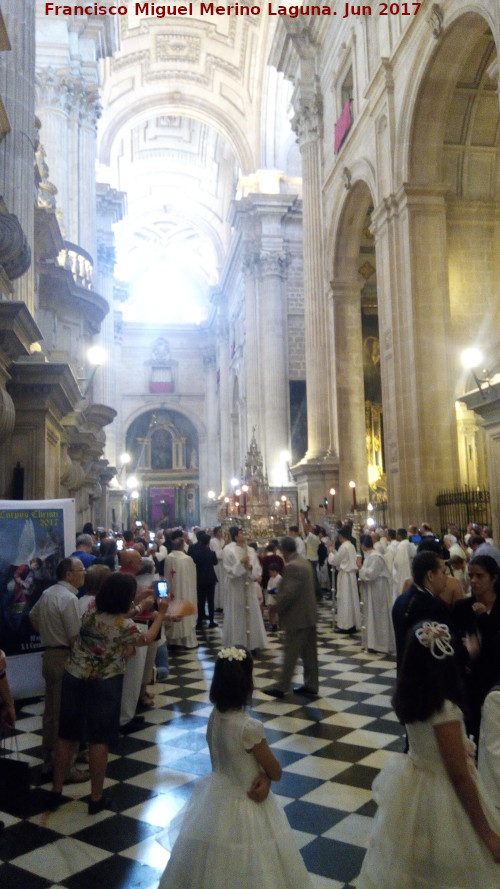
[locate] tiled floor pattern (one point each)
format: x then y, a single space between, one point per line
330 750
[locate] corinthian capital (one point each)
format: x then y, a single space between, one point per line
51 89
272 263
307 122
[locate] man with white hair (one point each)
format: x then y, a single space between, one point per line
56 617
452 545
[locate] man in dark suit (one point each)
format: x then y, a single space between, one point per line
421 601
206 578
297 609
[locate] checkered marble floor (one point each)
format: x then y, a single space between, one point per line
330 750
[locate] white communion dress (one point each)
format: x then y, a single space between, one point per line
422 837
225 840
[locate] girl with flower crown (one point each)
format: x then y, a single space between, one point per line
232 833
435 828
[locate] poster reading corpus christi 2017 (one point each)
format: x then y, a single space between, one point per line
34 536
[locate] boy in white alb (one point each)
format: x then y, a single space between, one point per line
271 590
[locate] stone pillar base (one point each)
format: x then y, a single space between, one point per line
314 478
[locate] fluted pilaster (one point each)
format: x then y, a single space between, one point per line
350 391
273 356
410 231
69 109
17 151
307 123
226 435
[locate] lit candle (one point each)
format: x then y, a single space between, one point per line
332 495
354 502
244 488
226 501
285 504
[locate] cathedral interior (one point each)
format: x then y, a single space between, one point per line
237 226
249 265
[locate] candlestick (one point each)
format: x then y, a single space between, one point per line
354 501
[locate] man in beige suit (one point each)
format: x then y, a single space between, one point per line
297 609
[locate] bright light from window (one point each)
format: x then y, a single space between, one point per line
96 355
472 358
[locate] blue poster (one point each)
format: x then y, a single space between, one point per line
31 545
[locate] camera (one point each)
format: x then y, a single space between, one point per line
162 589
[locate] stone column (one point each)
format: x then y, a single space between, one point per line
89 113
415 337
17 150
350 393
52 109
212 462
227 469
69 110
110 209
273 358
307 123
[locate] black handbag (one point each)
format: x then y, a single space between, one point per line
14 776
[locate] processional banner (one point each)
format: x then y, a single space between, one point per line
34 536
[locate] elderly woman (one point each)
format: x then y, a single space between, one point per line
93 679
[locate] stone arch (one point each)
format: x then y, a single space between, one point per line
354 309
151 407
422 134
348 223
142 108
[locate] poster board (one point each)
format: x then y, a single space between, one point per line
34 536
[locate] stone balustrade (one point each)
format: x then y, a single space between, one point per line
77 261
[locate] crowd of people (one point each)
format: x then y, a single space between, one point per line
107 623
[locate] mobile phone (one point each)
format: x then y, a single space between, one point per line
119 545
151 536
162 589
138 524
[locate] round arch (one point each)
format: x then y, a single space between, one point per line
420 139
345 235
142 108
151 407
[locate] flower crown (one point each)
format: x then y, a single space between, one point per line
232 654
437 638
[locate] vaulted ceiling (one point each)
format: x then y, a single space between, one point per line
191 112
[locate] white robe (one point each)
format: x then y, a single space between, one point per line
217 546
376 593
240 593
180 574
401 567
348 606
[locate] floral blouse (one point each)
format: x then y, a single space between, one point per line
100 649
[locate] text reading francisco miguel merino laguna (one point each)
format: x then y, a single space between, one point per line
162 11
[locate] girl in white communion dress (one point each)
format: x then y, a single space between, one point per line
232 833
435 827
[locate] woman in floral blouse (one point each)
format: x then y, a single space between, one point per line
92 684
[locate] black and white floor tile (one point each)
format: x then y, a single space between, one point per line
330 749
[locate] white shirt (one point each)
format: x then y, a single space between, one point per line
57 614
300 546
